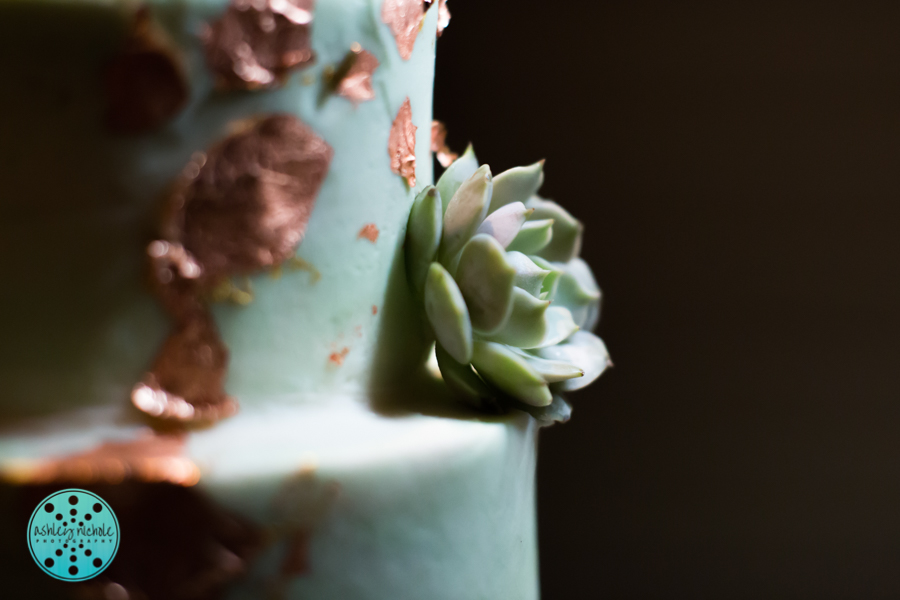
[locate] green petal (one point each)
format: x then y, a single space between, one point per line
527 326
529 276
533 236
486 281
504 223
447 313
423 235
511 373
551 370
548 288
460 378
558 411
566 242
517 185
464 214
559 326
586 351
577 290
459 170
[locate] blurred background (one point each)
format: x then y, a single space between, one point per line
737 166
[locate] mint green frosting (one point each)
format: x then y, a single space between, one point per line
398 508
78 206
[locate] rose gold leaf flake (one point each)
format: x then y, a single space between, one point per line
404 17
443 17
353 78
150 458
439 144
369 232
186 383
248 206
257 43
145 84
239 208
402 144
338 357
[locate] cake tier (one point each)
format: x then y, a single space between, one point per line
336 501
80 204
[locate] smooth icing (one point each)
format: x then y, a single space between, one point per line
78 209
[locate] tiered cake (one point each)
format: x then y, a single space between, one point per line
225 270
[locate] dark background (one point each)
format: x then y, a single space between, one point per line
737 166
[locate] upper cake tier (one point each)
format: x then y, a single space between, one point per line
189 180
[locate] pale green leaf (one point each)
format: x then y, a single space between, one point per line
558 411
559 326
447 313
517 185
510 372
526 326
460 378
504 223
566 241
551 370
464 214
577 290
423 236
486 281
459 170
548 287
533 237
529 276
584 350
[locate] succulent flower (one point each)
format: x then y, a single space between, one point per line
510 303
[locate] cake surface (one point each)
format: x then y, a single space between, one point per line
230 261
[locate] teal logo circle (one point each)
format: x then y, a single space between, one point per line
73 535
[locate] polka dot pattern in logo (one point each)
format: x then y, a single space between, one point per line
90 544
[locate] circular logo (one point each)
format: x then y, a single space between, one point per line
73 535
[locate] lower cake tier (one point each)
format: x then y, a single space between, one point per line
334 502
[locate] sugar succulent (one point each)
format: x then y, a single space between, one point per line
496 271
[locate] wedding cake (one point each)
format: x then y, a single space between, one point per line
240 311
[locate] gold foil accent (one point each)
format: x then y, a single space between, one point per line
402 144
145 84
256 43
404 17
151 458
369 232
353 77
239 208
439 144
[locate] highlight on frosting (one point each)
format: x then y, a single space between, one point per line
257 43
238 208
497 274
